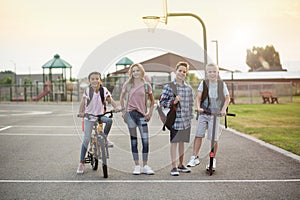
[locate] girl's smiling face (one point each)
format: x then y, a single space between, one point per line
95 80
136 73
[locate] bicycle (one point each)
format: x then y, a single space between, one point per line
98 146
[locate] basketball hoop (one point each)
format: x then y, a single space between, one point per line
151 22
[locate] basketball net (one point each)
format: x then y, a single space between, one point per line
151 22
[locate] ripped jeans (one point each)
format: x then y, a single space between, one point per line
136 119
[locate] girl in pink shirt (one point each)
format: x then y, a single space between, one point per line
137 91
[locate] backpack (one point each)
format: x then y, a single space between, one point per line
91 94
206 96
168 115
220 96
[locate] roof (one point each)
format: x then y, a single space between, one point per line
166 63
270 75
56 62
124 61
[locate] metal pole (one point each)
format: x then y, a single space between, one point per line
217 51
203 27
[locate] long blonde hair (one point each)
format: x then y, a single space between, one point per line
141 68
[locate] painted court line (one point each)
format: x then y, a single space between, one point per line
152 181
7 127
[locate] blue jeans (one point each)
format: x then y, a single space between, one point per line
135 119
88 128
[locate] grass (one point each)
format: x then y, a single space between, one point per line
277 124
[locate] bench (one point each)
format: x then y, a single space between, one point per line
268 97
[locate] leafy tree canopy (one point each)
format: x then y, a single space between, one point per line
7 72
263 59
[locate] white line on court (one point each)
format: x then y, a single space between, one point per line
38 134
7 127
151 181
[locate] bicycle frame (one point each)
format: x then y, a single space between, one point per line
98 149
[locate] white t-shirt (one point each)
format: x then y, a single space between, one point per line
96 106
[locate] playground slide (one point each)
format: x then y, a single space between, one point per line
41 95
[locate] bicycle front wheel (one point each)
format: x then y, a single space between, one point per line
103 157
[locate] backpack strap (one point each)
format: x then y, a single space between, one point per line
146 86
91 94
101 91
205 93
174 88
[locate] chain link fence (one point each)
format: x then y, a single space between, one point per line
242 92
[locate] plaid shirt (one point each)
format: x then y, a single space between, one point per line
184 112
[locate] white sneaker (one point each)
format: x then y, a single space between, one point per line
80 168
137 170
147 170
110 144
214 164
193 161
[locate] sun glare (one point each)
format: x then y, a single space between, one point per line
244 36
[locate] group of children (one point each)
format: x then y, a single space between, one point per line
212 97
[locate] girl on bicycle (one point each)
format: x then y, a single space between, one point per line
137 91
92 103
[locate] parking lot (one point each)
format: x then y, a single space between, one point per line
40 145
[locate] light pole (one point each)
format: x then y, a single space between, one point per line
217 51
153 20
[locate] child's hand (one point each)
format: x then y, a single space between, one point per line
177 99
223 112
80 115
200 110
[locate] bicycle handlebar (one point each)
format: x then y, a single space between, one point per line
217 114
99 116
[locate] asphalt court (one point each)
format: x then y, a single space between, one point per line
40 145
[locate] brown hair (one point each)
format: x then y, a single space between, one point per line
184 64
96 73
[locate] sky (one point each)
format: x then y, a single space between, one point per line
33 31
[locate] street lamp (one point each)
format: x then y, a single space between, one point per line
217 51
152 21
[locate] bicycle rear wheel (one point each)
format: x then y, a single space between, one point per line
103 157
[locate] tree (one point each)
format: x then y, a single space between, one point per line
263 59
7 80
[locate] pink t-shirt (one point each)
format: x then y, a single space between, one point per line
136 96
95 106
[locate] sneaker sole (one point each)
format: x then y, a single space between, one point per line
177 174
182 171
148 173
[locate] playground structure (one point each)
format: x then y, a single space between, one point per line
46 91
58 89
55 89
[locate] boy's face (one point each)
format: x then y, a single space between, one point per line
181 72
212 73
95 80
